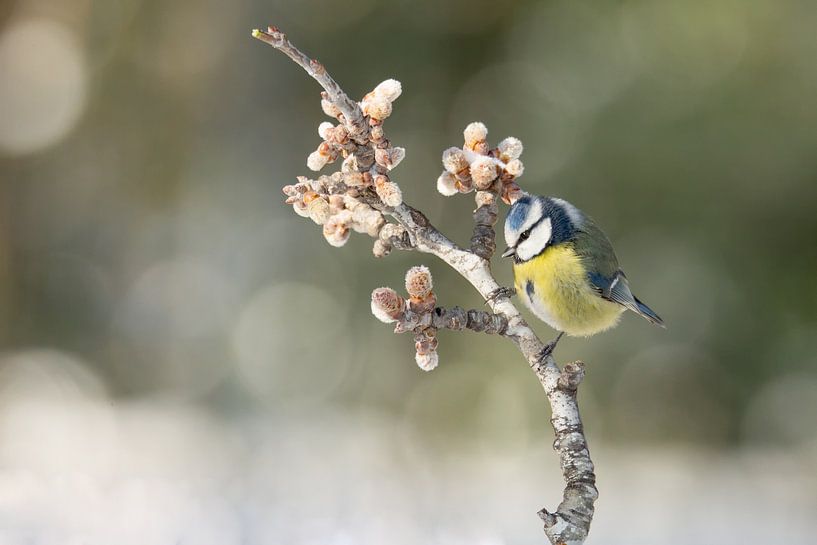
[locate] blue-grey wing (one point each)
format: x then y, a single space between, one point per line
615 288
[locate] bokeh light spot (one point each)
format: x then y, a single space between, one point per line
42 85
292 343
782 412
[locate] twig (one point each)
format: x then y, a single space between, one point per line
493 172
354 119
483 241
454 318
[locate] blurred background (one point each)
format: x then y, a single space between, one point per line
186 361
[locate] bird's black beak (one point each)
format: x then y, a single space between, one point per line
509 252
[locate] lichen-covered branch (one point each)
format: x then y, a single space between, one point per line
571 521
362 196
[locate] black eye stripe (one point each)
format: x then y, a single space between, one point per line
527 232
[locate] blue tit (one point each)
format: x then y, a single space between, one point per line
565 269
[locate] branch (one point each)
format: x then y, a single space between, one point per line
571 522
361 197
354 119
483 241
479 321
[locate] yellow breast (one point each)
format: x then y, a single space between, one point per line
554 286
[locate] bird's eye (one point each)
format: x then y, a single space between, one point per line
524 235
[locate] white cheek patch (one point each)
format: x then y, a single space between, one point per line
534 214
536 242
510 236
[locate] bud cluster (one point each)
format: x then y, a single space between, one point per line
338 201
477 166
412 314
328 202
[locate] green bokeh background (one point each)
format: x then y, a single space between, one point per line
146 237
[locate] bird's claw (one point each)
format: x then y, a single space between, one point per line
547 350
499 292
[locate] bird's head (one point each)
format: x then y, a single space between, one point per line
534 223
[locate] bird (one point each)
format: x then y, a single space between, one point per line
565 269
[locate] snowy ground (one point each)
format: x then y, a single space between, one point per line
77 468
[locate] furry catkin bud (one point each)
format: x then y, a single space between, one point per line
483 172
446 184
485 198
318 210
396 155
340 134
474 134
511 193
424 305
335 178
376 107
350 203
316 160
389 89
329 109
387 305
310 196
353 180
515 168
366 219
324 130
300 209
391 230
381 157
351 175
389 157
349 164
427 362
418 282
465 184
510 148
380 248
333 135
376 133
426 341
454 160
336 231
336 204
388 191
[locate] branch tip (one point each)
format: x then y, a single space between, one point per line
271 36
571 376
548 518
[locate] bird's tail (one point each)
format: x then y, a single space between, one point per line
648 314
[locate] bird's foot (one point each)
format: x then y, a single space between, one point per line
547 350
498 293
